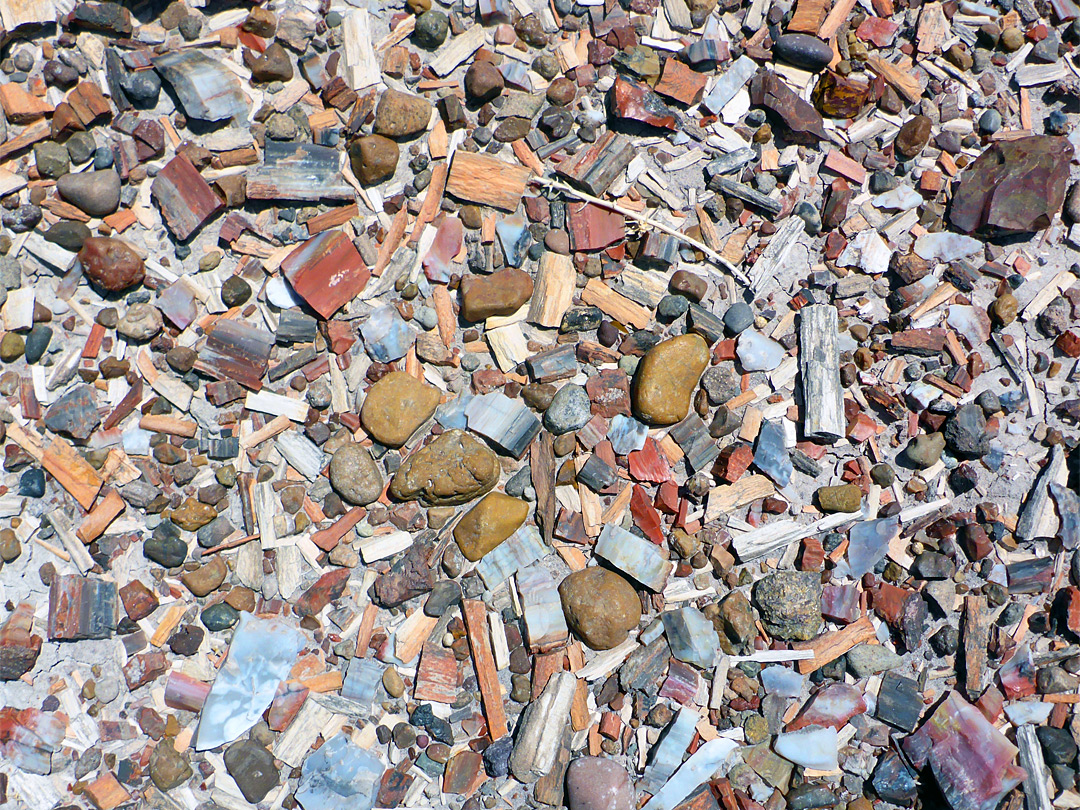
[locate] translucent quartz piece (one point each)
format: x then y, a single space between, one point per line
812 747
362 680
922 394
451 415
634 556
338 775
901 198
867 251
971 322
668 752
757 352
386 336
971 760
868 542
626 434
1025 712
280 294
831 706
782 681
946 246
516 74
260 657
771 455
513 233
702 765
691 636
1017 675
439 263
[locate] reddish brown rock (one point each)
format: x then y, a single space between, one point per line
111 264
502 293
330 586
636 101
19 647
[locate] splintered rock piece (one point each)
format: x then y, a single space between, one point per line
75 413
111 264
666 377
833 706
94 193
691 636
768 90
492 520
451 470
207 90
400 115
770 454
19 647
81 608
635 556
600 606
638 102
1014 186
972 762
339 774
260 656
326 271
502 293
507 422
596 783
868 542
396 406
184 197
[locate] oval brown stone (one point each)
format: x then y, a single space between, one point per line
489 523
601 607
666 377
455 468
913 136
396 406
111 264
501 293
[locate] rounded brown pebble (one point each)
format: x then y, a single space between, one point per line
1004 309
373 158
483 81
601 607
111 264
392 682
913 136
557 242
561 92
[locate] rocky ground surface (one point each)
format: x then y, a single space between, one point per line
664 404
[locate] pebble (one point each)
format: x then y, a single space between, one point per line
925 450
373 158
840 498
355 476
666 378
252 768
392 682
219 617
140 322
804 51
913 136
790 604
453 469
396 406
865 660
601 607
501 293
431 29
570 409
111 264
738 318
489 523
168 768
965 432
400 115
95 193
596 783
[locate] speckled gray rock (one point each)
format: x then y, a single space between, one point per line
569 410
790 604
355 476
